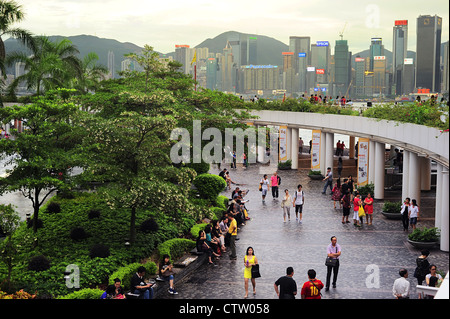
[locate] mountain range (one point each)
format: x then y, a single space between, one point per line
268 49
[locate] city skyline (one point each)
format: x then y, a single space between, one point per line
164 25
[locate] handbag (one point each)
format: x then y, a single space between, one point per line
330 261
255 271
361 212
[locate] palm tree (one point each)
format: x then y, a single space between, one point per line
10 13
50 65
92 73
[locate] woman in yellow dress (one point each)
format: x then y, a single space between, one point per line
249 260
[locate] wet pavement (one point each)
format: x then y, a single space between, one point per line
371 255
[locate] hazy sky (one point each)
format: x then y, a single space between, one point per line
165 23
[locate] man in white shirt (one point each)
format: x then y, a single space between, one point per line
401 286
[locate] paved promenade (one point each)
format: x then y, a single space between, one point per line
371 255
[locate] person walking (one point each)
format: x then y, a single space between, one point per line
334 252
299 200
311 288
328 180
413 214
401 287
286 205
274 185
265 186
249 260
336 197
368 208
357 203
288 286
405 213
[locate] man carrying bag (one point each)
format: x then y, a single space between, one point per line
332 262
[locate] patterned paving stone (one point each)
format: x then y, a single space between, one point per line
371 255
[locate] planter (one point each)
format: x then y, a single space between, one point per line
315 177
422 244
389 215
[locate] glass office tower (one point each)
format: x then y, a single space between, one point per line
428 51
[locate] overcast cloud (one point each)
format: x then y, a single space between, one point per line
163 24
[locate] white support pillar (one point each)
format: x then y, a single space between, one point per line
323 152
414 177
438 205
379 170
425 174
445 212
294 147
261 149
405 175
329 152
372 162
288 143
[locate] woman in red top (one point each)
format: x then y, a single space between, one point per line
356 204
368 208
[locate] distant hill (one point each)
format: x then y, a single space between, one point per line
268 49
86 44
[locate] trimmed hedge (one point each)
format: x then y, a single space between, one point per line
209 186
86 293
175 247
197 228
126 272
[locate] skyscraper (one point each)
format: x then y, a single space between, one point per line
428 51
320 58
301 48
184 54
226 66
376 49
342 67
399 52
252 47
111 68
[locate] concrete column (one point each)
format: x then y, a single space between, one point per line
425 174
329 152
379 170
445 212
351 147
439 211
294 147
323 152
405 175
414 177
372 162
288 143
261 150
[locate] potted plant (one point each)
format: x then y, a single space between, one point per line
424 238
315 174
391 210
285 165
366 189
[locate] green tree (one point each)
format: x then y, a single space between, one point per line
129 154
91 74
9 222
51 65
42 155
11 13
148 60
